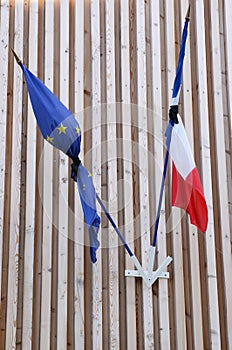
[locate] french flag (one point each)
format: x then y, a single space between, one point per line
187 192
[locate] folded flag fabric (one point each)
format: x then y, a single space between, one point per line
187 192
88 201
59 127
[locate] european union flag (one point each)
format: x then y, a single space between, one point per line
59 127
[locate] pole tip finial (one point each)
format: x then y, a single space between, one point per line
187 17
16 57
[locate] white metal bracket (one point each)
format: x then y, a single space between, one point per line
149 276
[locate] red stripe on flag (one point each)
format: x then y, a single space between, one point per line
188 195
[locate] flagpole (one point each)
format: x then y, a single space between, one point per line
18 60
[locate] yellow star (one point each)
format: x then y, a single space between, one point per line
50 139
89 174
78 130
62 129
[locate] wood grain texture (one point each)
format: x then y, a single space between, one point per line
96 161
142 124
47 198
191 251
112 172
63 185
209 288
112 62
128 227
30 190
4 42
161 305
223 253
14 221
79 320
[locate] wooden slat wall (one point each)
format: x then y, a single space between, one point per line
112 62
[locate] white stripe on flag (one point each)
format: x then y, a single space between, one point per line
180 150
175 100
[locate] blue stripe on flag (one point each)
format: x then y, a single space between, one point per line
178 78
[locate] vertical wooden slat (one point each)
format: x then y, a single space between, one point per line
112 173
104 221
143 169
220 163
155 142
163 334
7 187
30 190
4 40
128 227
178 278
79 223
209 283
228 38
87 161
176 230
170 66
38 203
121 249
226 14
135 167
96 164
47 159
55 231
23 180
63 185
15 187
196 339
71 192
120 170
46 246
